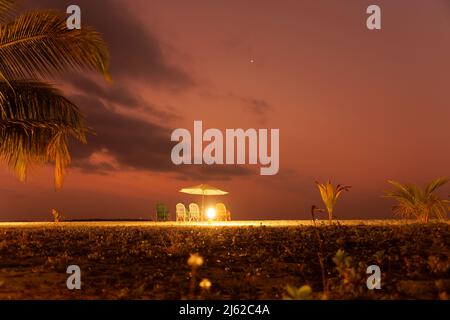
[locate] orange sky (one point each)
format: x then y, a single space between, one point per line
352 105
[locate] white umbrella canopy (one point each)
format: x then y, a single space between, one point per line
204 190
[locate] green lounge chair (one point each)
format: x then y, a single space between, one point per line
162 214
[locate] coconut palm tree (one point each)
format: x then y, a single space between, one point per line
330 195
36 120
413 202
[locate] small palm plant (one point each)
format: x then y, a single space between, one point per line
36 120
330 195
57 217
422 204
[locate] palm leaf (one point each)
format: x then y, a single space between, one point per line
403 188
35 123
339 189
435 184
38 44
5 8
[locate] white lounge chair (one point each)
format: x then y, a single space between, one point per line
222 213
194 212
181 212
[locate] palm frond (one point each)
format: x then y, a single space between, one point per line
36 121
435 184
339 189
5 8
38 44
402 188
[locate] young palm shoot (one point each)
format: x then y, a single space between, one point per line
330 195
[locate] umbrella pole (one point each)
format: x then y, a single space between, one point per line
203 206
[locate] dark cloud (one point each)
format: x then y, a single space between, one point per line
136 145
86 166
137 57
258 106
212 172
133 142
118 95
136 53
113 93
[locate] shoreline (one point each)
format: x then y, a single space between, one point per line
237 223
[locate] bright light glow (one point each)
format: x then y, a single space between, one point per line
211 214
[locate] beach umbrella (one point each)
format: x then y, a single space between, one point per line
204 190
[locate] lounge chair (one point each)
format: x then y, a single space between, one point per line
162 214
222 213
194 212
181 212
